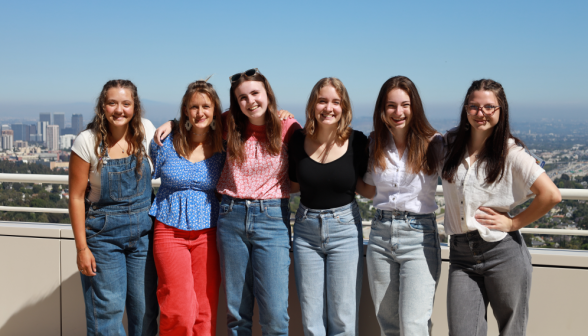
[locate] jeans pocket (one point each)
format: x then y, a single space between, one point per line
346 218
125 184
223 210
95 224
276 212
425 225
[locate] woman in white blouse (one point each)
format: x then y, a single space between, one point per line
486 174
403 255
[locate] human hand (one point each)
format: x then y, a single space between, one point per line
162 132
86 262
284 115
494 220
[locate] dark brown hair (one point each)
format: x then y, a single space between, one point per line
237 121
343 129
181 135
422 157
495 149
100 126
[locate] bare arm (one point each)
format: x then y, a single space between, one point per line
162 132
294 187
547 196
364 189
79 171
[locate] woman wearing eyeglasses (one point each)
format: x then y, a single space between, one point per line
403 256
326 160
486 174
253 230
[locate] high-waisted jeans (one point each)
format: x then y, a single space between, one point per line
404 265
253 238
328 261
484 272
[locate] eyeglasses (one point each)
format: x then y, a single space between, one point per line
487 110
247 73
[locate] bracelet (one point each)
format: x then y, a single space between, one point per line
82 249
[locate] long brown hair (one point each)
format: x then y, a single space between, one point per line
181 135
237 121
422 156
495 148
101 128
343 129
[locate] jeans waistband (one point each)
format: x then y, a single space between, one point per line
332 211
262 203
399 214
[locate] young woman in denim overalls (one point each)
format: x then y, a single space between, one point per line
113 237
403 256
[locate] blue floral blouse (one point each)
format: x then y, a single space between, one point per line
186 199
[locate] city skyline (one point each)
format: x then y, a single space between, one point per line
70 49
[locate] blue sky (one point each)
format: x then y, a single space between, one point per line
56 55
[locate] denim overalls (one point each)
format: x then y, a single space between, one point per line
119 233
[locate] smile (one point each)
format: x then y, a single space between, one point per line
253 108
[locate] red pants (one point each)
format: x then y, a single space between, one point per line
189 280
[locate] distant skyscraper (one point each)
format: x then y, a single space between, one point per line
7 139
45 117
21 132
59 120
42 131
77 123
52 137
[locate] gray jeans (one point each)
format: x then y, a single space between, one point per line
483 272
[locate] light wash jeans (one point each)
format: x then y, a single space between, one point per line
253 240
484 272
404 264
328 261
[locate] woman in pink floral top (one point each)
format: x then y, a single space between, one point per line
254 220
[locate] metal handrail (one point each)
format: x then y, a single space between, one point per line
574 194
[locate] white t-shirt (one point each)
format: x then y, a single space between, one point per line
399 189
468 192
83 146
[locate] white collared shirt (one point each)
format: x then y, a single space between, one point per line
398 189
469 192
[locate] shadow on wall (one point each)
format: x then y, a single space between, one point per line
36 317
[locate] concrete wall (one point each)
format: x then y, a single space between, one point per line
40 289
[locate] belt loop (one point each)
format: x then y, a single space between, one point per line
406 216
305 211
231 206
261 205
380 214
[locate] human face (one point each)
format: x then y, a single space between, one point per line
328 107
253 101
398 109
200 111
479 121
119 107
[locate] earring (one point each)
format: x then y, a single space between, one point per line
213 124
188 125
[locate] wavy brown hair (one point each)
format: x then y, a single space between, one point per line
181 135
343 129
101 128
495 149
422 152
237 121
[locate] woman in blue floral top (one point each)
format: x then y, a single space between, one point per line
186 211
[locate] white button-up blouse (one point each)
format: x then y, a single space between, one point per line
398 189
469 192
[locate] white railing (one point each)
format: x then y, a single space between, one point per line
571 194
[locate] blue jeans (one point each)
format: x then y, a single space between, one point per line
404 264
253 239
328 261
119 234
